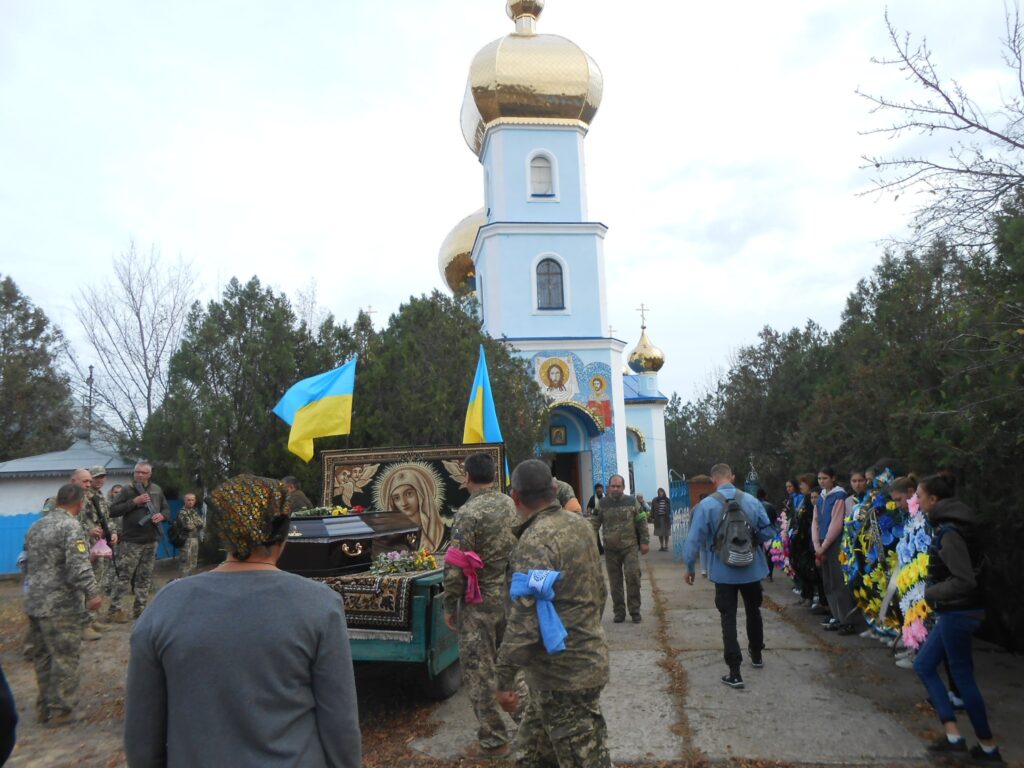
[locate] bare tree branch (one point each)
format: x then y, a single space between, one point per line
133 326
985 164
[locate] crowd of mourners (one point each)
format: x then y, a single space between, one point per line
893 558
902 558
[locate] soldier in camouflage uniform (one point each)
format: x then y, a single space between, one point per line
567 496
94 518
60 587
192 519
297 500
142 507
624 527
79 477
483 526
563 725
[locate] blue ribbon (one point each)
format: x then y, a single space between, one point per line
541 585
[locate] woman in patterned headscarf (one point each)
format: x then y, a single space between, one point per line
262 653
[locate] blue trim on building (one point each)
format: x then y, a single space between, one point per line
554 339
632 394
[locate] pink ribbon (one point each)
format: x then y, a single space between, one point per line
470 563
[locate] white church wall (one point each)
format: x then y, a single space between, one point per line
507 154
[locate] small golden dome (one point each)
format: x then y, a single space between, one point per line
529 79
645 357
519 8
454 260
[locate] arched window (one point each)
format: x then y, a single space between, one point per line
549 285
541 183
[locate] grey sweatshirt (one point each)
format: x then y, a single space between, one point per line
242 669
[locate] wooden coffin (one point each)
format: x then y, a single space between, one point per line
335 546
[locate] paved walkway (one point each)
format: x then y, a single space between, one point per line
819 700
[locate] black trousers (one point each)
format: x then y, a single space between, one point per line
726 601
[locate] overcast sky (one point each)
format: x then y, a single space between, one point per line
321 139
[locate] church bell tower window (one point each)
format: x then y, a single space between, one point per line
550 294
541 177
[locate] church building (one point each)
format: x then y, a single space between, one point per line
535 261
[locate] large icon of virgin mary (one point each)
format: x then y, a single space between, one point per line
415 489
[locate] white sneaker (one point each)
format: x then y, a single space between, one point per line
903 654
868 633
906 663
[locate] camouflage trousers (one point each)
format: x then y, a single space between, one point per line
188 556
55 643
480 632
100 566
563 729
109 581
135 573
623 563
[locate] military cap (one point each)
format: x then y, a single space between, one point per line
98 471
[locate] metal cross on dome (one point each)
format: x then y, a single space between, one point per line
643 310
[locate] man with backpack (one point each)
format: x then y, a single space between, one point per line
734 524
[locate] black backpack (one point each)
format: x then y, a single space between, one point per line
735 540
177 533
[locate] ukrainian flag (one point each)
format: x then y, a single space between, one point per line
481 418
318 407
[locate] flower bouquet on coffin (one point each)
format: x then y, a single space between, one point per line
403 562
336 511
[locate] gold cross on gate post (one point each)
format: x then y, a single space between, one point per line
643 314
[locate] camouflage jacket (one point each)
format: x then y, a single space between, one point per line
297 501
59 575
553 539
484 525
94 510
564 492
191 519
624 523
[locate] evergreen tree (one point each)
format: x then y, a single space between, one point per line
35 398
415 389
240 354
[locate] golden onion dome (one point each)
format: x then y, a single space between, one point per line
454 259
529 79
645 357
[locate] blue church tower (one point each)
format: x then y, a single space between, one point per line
532 256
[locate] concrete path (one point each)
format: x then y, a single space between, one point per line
819 700
795 709
639 710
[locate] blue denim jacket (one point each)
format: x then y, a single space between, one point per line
704 522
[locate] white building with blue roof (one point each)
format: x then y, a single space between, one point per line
26 483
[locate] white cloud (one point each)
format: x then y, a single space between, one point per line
323 140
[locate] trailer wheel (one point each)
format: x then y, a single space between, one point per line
444 684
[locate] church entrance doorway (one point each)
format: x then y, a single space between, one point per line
567 444
566 467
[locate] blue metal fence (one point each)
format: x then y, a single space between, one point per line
14 527
679 495
12 536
